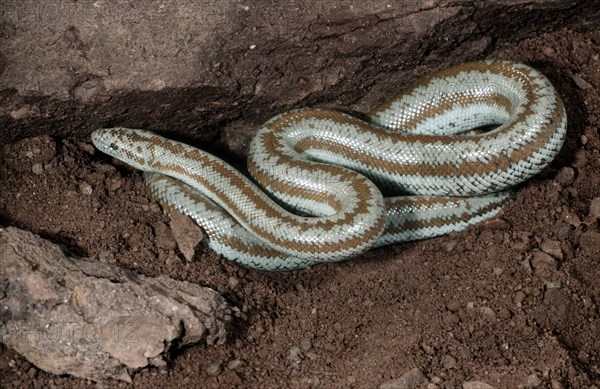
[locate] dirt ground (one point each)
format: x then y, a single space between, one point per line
513 302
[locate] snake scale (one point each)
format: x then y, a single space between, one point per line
320 173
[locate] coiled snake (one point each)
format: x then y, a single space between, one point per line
329 169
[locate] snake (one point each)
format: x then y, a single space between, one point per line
325 185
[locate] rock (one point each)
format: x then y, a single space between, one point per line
566 176
581 82
305 344
595 208
409 380
37 169
103 65
449 362
164 236
519 297
233 282
489 314
548 51
589 243
214 369
86 188
21 113
94 320
541 260
235 364
88 91
581 159
187 234
113 183
476 385
533 380
295 355
552 247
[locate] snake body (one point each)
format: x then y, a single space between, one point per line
330 168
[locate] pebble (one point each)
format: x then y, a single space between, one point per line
311 355
294 355
113 184
87 147
449 362
580 159
235 364
232 282
572 219
465 353
37 169
412 379
562 231
489 314
541 260
105 168
21 113
595 208
548 51
552 247
164 237
305 344
533 380
449 247
476 385
427 348
436 380
214 369
88 90
581 82
519 297
566 176
86 188
32 372
504 314
187 235
589 243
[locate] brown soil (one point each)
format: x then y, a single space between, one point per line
514 301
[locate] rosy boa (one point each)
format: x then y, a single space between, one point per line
330 168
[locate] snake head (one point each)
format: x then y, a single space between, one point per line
128 145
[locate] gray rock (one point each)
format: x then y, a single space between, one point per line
541 260
92 320
295 355
235 364
37 169
214 369
476 385
409 380
533 380
552 247
595 208
566 176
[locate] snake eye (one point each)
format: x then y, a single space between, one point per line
114 147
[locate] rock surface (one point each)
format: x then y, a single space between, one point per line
70 67
91 320
368 320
